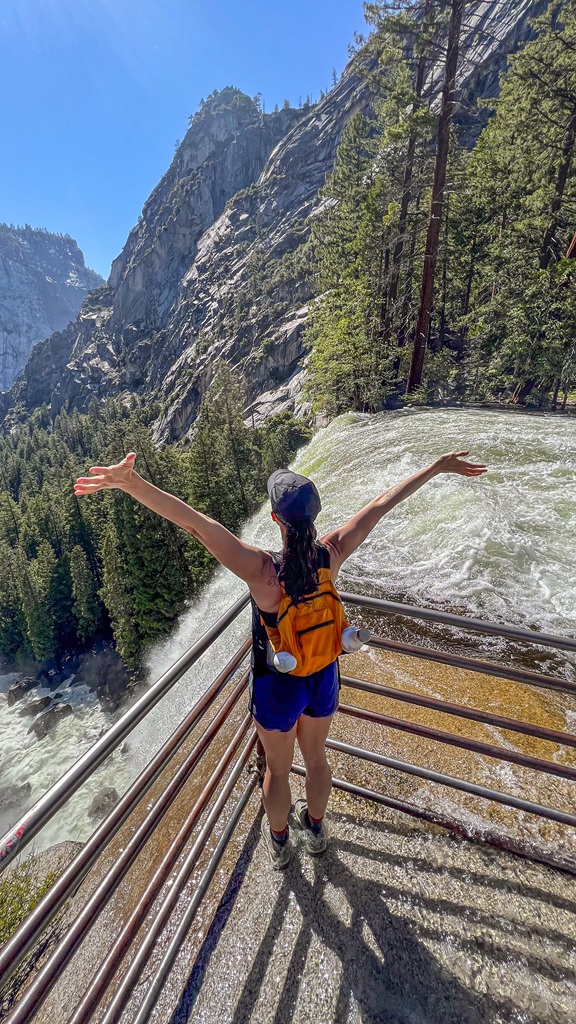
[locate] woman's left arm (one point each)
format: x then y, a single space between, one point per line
242 559
343 541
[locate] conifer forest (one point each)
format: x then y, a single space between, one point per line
72 571
444 269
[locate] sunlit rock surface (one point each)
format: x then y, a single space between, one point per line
43 282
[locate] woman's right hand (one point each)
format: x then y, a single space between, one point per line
454 462
107 477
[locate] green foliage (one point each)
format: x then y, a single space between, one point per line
342 374
230 463
372 223
73 569
502 316
229 98
37 582
20 891
86 607
13 629
117 596
516 215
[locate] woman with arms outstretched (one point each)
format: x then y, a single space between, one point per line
283 706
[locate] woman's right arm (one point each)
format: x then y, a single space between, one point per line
242 559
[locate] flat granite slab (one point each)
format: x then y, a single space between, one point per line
398 923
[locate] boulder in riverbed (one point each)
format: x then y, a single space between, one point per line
18 689
49 719
104 673
51 680
33 707
12 796
106 798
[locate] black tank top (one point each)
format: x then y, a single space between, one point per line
262 653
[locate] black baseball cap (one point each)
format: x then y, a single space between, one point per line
294 498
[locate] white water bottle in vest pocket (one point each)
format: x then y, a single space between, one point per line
353 639
284 661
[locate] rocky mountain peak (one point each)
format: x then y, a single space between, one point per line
223 152
43 281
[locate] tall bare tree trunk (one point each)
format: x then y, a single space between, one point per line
467 295
435 220
442 327
407 297
406 192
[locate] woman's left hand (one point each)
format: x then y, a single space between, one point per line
454 462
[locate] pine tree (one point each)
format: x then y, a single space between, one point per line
36 583
437 203
516 210
341 370
13 630
86 608
118 599
278 439
71 568
366 238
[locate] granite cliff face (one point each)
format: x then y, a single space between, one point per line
43 281
213 269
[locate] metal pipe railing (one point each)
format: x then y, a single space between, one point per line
19 944
156 985
529 636
50 971
460 711
30 824
465 742
123 941
448 780
465 831
130 979
517 675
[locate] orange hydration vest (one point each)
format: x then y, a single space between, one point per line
310 630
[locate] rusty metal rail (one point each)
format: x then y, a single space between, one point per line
126 936
15 949
30 824
158 905
528 636
52 969
461 711
477 746
490 668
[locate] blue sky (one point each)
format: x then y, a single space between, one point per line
96 92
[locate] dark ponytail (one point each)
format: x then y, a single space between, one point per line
298 571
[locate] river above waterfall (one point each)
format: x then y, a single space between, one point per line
502 547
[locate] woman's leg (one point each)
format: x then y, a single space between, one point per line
312 733
276 796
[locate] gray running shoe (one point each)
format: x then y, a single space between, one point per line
279 853
315 843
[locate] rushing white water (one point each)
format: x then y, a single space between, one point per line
25 759
500 547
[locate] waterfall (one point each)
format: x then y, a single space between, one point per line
500 547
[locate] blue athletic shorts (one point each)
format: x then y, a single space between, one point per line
277 701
